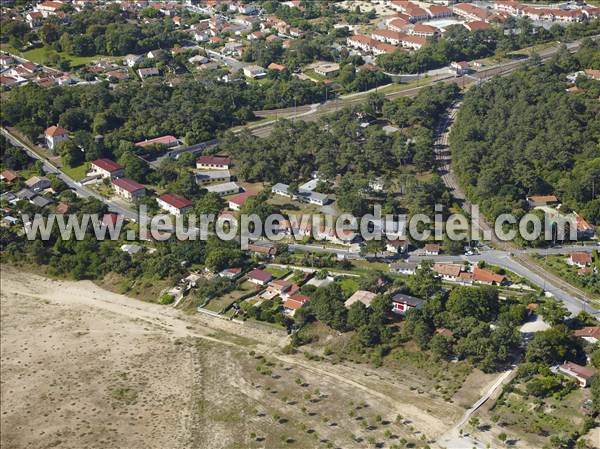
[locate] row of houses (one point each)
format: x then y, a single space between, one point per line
455 273
545 13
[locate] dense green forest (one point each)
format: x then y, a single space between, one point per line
525 134
459 44
131 112
338 144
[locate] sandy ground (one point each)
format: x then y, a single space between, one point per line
86 368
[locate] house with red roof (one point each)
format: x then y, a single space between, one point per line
55 135
424 30
431 249
49 8
106 168
237 201
579 259
582 374
294 302
214 162
174 204
589 333
476 25
584 229
129 189
259 277
110 219
483 276
9 176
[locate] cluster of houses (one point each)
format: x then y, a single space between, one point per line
37 191
306 192
15 71
557 14
454 273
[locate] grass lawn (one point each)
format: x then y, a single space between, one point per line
348 285
277 272
222 302
76 173
41 55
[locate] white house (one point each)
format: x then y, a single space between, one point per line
129 189
106 168
206 177
174 204
55 135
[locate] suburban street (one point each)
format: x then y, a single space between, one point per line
79 189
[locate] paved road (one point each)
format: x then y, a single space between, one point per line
79 189
314 111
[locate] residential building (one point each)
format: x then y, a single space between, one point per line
579 259
405 268
590 334
9 176
281 189
448 271
215 162
476 25
49 8
483 276
255 71
294 302
106 168
363 296
37 183
431 249
424 30
148 72
40 201
277 67
206 177
55 135
402 303
259 277
227 188
174 204
131 60
470 12
231 273
582 374
320 199
584 229
459 68
34 19
237 201
396 246
541 200
263 247
327 69
129 189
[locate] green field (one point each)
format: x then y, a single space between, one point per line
224 301
76 173
41 56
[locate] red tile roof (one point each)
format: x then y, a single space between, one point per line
581 258
110 219
9 175
590 331
295 302
128 184
241 198
176 201
447 269
260 275
481 275
54 131
581 371
107 164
